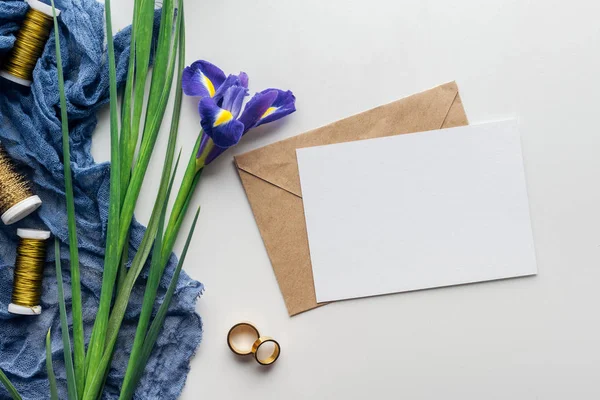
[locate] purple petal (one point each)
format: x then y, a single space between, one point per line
214 153
233 99
203 143
232 80
202 79
219 124
284 104
256 107
244 79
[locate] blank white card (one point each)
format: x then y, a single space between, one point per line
417 211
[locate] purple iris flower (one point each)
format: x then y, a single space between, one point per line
220 107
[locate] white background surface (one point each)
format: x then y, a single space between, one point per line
531 338
419 211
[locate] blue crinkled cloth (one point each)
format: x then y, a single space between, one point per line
31 133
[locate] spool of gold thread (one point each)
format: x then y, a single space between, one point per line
29 44
29 272
17 199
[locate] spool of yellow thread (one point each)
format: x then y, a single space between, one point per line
29 44
17 199
29 272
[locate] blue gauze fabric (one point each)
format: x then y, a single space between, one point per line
31 133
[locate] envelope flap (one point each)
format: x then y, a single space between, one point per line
277 164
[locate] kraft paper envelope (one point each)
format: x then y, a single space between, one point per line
272 184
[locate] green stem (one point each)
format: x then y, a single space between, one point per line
188 184
155 268
64 326
162 78
50 368
92 390
163 73
159 320
9 386
142 44
78 339
112 256
118 313
126 105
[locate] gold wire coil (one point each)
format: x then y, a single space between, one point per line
29 44
29 272
14 188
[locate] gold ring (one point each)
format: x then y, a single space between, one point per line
274 355
239 331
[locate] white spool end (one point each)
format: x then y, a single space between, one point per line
21 210
42 7
36 234
15 79
20 310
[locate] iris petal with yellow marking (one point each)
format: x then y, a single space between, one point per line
256 108
202 79
233 99
284 104
267 106
219 124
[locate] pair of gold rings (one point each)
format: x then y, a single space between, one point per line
244 339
